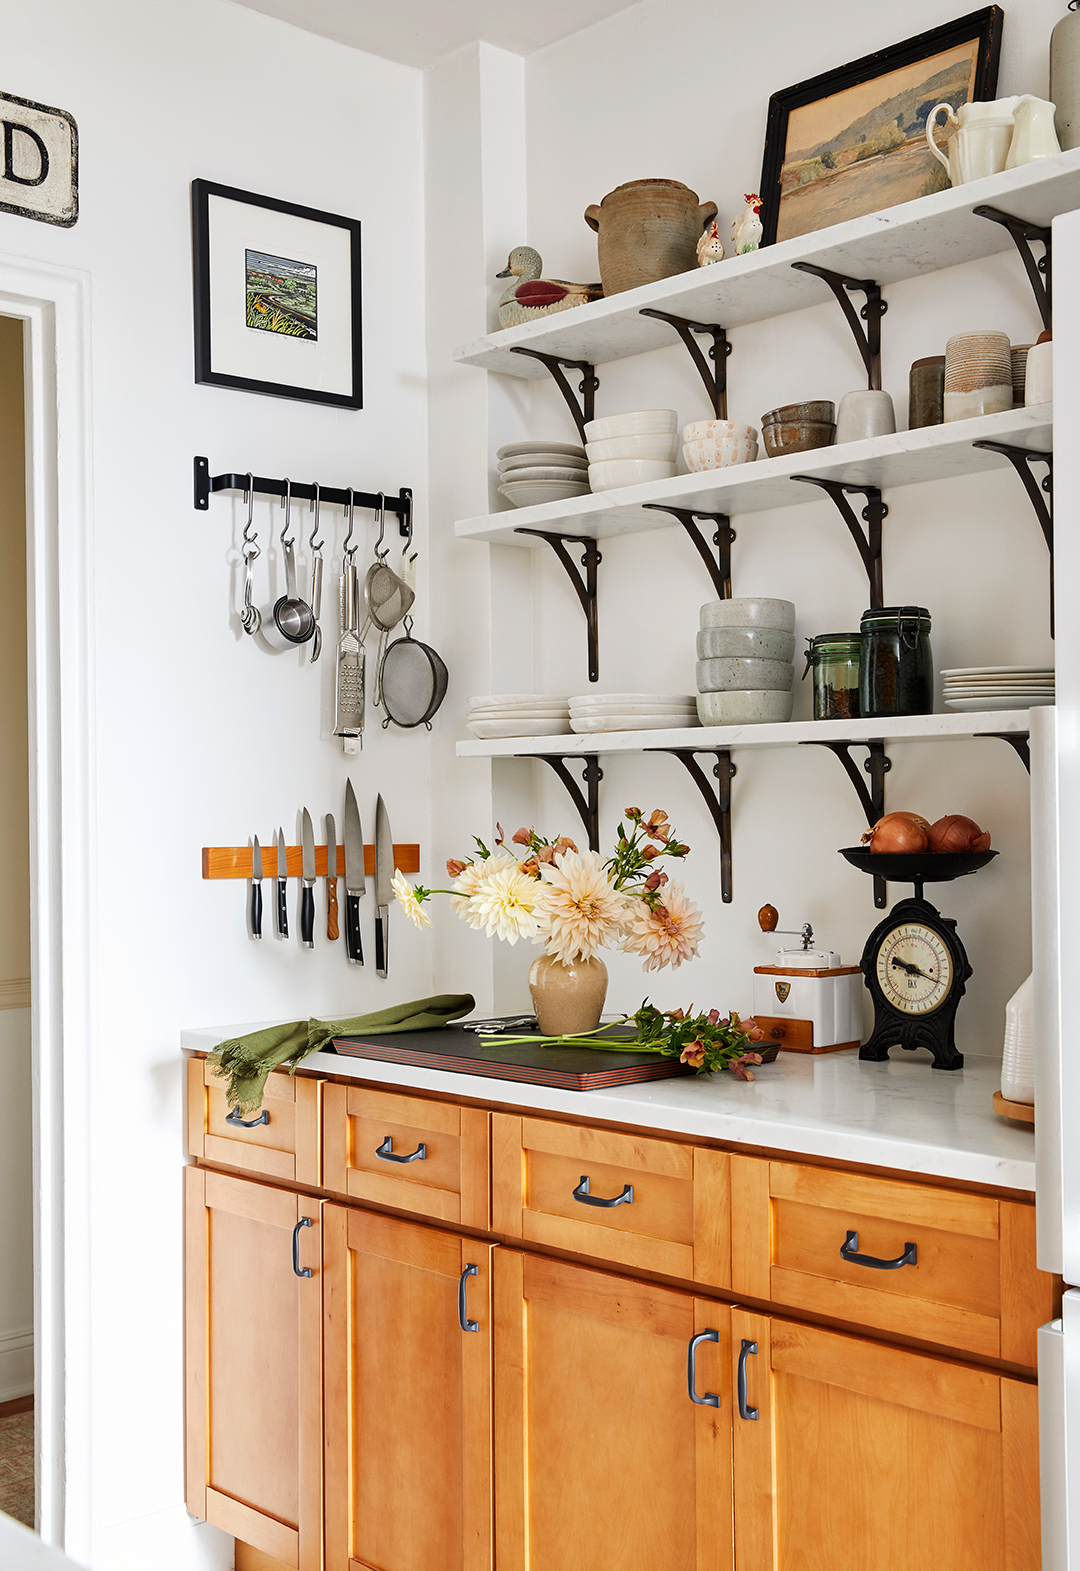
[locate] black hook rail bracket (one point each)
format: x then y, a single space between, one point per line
1039 272
1021 458
1017 740
714 376
718 802
588 805
206 484
719 569
584 589
586 410
871 799
874 514
868 339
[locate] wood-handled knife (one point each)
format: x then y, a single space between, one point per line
331 877
307 896
355 877
256 889
281 883
384 873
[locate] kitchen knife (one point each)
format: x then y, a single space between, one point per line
256 889
384 873
307 897
281 884
355 880
331 877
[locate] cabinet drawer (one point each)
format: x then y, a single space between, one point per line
968 1278
562 1184
408 1152
280 1141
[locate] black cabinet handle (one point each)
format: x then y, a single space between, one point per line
250 1123
582 1193
849 1248
298 1269
710 1399
463 1320
744 1410
388 1155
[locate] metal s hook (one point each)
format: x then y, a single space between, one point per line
380 516
286 502
250 542
348 550
316 503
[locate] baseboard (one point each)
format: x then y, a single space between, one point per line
16 1364
171 1540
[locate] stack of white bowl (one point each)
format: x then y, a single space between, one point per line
632 449
714 444
536 472
744 669
518 714
592 712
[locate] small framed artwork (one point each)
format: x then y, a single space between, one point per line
277 297
853 141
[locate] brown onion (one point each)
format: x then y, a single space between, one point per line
898 832
954 832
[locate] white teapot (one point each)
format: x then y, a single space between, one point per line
989 137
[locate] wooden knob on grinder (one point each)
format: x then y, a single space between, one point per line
768 917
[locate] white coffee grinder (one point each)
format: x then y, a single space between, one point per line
808 1001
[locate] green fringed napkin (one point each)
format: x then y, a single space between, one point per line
247 1060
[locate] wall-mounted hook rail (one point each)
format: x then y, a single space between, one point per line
872 800
1017 740
586 410
585 591
588 805
206 484
874 514
714 376
1039 272
719 570
718 802
1021 459
868 339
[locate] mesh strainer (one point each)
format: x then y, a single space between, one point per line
412 681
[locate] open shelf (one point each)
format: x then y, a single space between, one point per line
913 239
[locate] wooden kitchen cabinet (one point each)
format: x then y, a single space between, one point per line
280 1141
863 1456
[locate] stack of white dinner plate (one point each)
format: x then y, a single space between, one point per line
518 714
976 688
534 472
591 712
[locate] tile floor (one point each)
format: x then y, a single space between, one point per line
17 1462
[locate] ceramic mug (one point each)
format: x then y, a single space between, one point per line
864 413
981 139
978 375
1039 374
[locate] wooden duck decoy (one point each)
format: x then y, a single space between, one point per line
536 296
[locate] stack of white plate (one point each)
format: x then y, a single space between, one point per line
518 714
591 712
973 689
535 472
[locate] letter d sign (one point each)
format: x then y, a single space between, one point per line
39 173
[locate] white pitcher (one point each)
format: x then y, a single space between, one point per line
1034 135
980 141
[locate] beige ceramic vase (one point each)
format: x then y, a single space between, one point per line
567 998
648 230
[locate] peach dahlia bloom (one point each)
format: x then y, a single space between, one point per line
668 934
579 909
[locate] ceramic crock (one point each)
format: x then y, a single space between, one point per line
648 230
1065 77
567 998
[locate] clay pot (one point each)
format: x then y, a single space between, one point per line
567 998
648 229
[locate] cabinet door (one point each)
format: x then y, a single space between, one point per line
407 1336
254 1353
862 1455
602 1460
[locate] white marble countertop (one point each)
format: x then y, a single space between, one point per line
902 1115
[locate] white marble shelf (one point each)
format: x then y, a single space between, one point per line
904 728
937 452
914 239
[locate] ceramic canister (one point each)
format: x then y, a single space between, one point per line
1038 377
926 392
978 375
864 413
1018 355
648 230
1065 78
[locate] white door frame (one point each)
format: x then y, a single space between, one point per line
53 303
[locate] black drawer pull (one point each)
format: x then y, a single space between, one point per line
463 1320
710 1399
744 1410
849 1248
251 1123
582 1193
388 1155
298 1269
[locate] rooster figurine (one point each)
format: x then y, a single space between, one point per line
536 296
746 231
710 248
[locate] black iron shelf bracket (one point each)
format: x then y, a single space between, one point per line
1021 459
586 410
718 801
1017 740
871 798
587 802
585 589
206 484
718 568
874 514
1039 272
868 339
714 376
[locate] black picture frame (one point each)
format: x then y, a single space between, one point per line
984 26
206 372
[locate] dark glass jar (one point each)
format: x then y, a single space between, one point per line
896 672
835 661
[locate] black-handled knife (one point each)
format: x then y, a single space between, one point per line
355 876
281 884
384 874
307 897
256 889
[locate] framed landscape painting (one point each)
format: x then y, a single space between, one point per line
853 141
277 297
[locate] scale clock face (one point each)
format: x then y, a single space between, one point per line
917 972
914 969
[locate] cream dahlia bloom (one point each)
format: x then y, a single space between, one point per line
503 901
579 909
668 934
408 901
473 876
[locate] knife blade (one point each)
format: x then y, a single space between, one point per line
281 884
256 889
331 877
355 878
384 873
307 897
